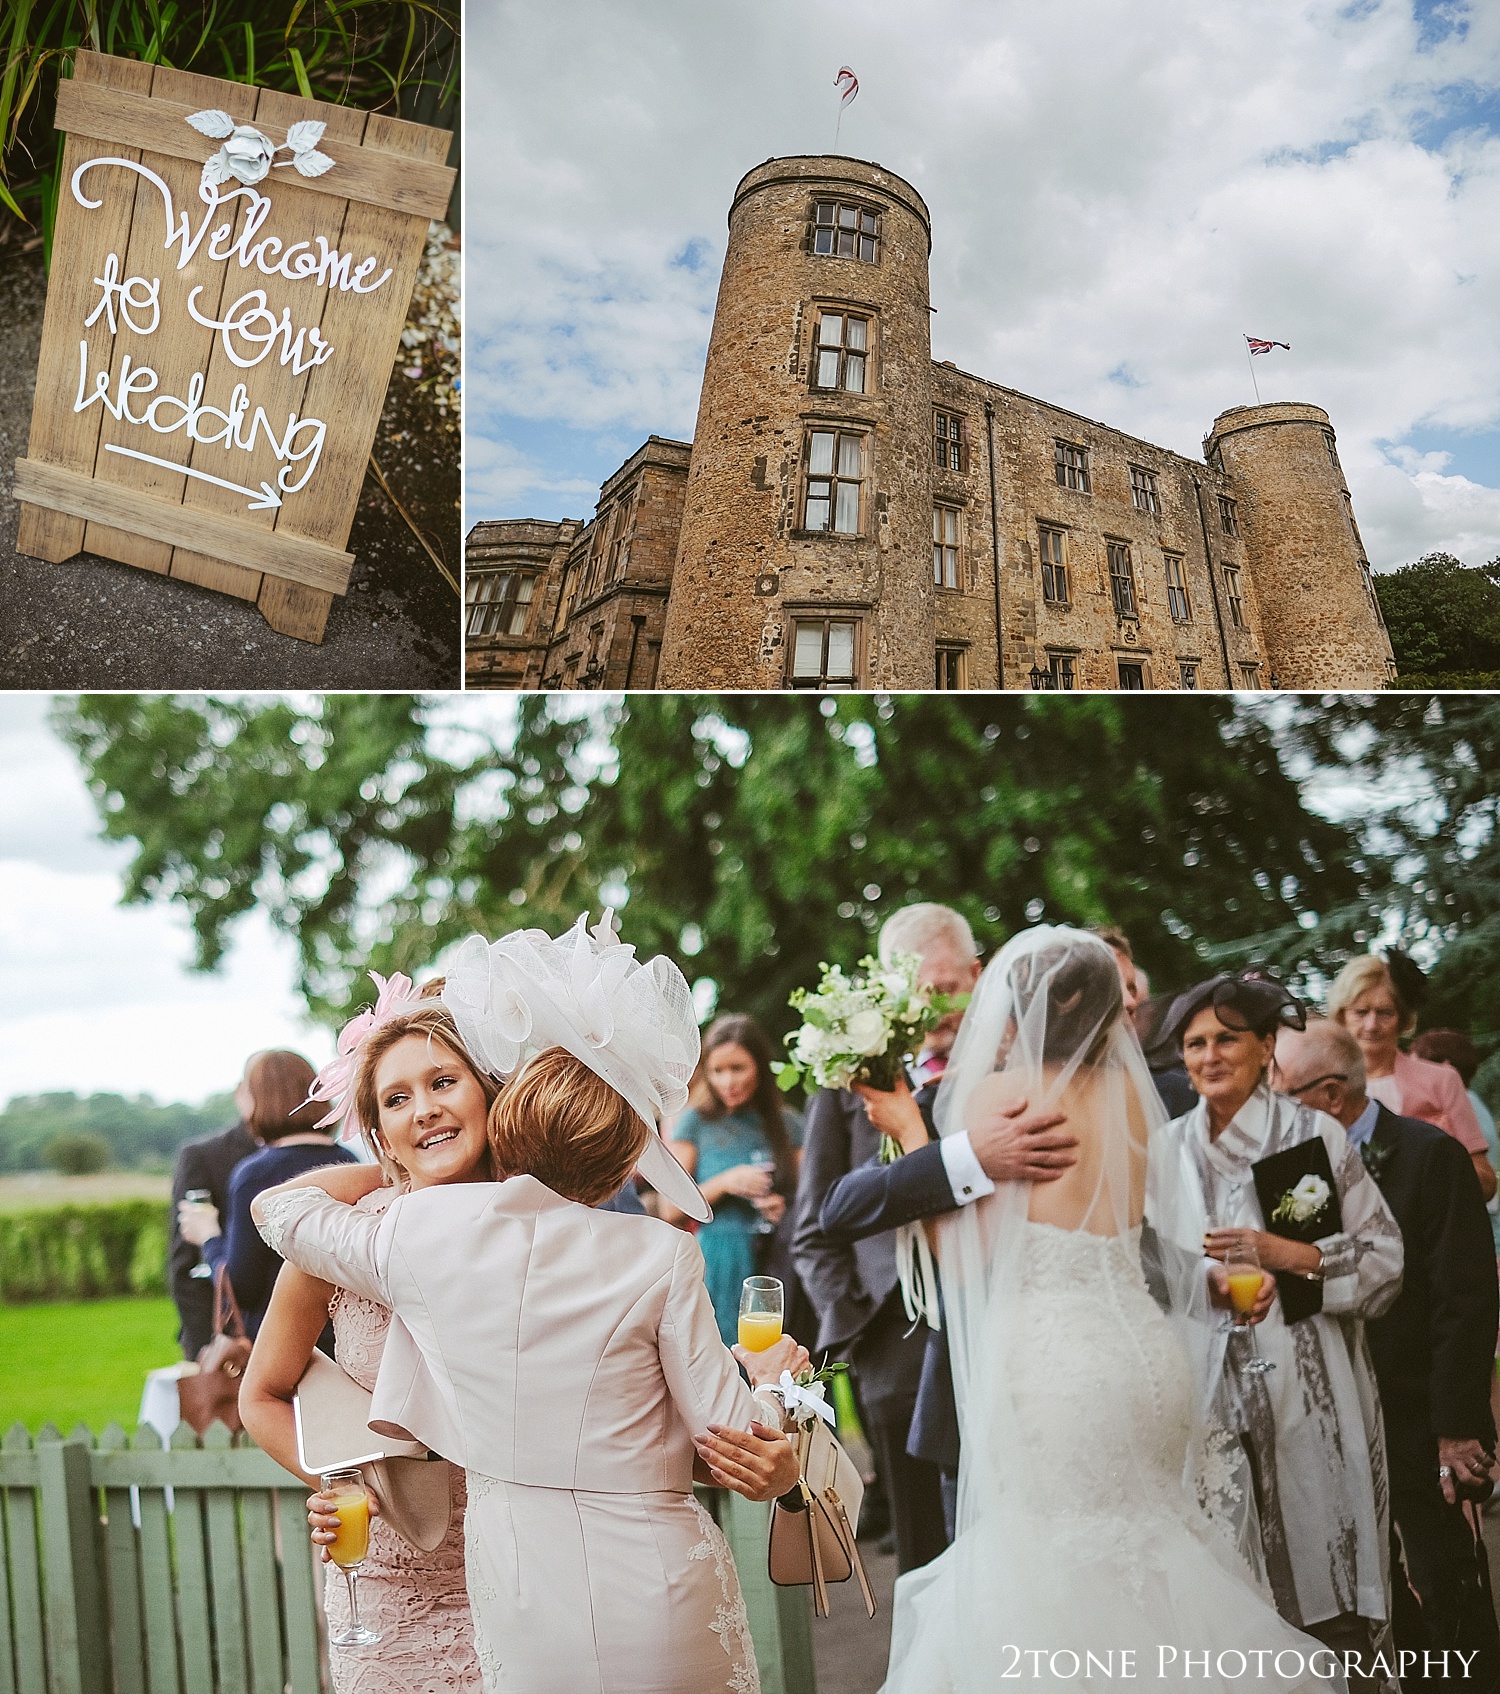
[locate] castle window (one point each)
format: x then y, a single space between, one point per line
499 602
1132 676
1187 676
1250 676
1071 466
945 534
948 442
839 356
835 473
1054 570
1121 580
1232 594
823 652
1143 491
1177 594
1333 452
1060 665
950 667
846 232
1228 516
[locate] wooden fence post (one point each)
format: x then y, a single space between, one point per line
77 1631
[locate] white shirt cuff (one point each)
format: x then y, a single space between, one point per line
965 1173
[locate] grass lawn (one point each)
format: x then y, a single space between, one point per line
81 1360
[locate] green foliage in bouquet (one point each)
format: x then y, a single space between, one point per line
83 1252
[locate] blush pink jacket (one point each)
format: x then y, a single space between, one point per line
1433 1093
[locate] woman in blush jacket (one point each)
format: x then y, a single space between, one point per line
567 1358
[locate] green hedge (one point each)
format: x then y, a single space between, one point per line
83 1252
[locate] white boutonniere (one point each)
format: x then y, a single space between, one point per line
803 1394
1302 1203
248 154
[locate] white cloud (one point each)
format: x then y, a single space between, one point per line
1136 189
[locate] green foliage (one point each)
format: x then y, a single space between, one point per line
83 1252
400 55
82 1363
136 1134
77 1155
753 836
1444 622
1436 760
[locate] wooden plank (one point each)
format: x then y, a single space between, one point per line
178 347
301 560
192 1576
7 1641
74 1595
122 1579
302 1592
278 388
184 1467
370 174
263 1591
226 1580
59 435
23 1564
157 1611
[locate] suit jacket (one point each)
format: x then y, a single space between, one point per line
880 1198
203 1163
533 1339
1434 1348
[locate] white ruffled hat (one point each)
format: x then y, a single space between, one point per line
632 1024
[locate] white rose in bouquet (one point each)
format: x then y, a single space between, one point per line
867 1033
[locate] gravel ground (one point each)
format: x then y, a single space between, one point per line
92 623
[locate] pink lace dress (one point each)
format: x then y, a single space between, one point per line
416 1600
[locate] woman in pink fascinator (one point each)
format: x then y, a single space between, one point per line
566 1358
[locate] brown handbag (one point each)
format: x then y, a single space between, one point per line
213 1391
814 1541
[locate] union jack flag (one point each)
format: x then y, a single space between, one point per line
1258 346
846 76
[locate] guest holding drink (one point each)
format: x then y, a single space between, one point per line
568 1358
1311 1421
1368 1001
281 1119
405 1085
743 1147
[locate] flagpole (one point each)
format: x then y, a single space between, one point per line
1250 360
839 125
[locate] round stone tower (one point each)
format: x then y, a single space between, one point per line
804 557
1318 612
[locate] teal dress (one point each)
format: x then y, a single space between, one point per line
729 1242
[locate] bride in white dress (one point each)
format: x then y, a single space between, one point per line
1100 1510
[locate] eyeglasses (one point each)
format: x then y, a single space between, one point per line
1302 1087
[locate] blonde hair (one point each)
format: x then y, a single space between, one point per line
561 1123
1356 979
434 1021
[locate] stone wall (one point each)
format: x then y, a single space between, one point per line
524 545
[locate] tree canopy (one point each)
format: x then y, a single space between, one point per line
57 1129
1444 622
749 837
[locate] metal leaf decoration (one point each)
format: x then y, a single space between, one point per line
312 164
212 122
303 137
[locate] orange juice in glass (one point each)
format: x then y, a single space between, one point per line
762 1303
1242 1264
349 1547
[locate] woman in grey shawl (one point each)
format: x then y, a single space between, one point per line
1311 1423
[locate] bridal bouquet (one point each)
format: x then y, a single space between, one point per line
862 1028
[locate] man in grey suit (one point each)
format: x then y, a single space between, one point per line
851 1281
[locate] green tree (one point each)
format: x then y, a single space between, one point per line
137 1134
1444 622
77 1155
752 836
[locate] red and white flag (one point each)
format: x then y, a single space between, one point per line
1256 345
846 80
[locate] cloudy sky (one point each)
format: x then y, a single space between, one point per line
1119 193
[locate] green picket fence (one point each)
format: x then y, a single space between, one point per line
135 1569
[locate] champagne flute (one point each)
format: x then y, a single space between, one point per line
762 1304
762 1226
349 1548
200 1197
1243 1267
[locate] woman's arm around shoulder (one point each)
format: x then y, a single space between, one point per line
336 1240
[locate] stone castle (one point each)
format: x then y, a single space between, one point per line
850 514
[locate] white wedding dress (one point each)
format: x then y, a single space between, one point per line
1099 1514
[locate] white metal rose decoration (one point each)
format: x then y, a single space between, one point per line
1304 1202
248 154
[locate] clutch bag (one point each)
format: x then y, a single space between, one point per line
412 1487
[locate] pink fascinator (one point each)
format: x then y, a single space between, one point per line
334 1084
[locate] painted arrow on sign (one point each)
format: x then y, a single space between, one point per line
260 501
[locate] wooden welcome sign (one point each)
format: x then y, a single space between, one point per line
231 269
